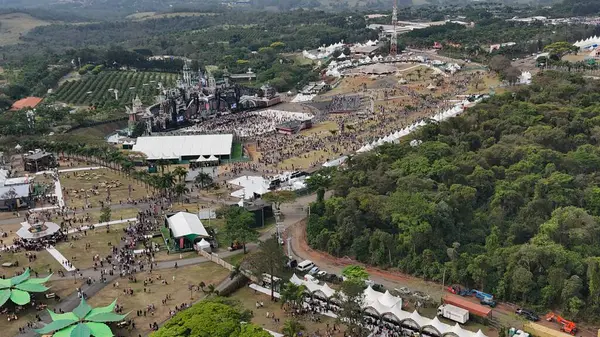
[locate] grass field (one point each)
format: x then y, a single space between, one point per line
74 182
100 241
102 130
14 25
93 89
236 151
178 281
42 264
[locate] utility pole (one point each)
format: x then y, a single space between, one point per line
394 39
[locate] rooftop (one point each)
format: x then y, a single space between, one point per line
27 102
183 224
176 147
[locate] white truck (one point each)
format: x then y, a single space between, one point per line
454 313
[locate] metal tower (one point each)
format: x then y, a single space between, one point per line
394 38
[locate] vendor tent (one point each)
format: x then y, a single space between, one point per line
186 228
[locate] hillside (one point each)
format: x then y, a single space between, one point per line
14 25
504 199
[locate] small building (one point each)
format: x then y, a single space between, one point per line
13 197
27 102
40 161
186 230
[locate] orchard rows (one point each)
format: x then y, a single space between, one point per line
94 89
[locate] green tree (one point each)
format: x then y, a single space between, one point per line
292 294
350 313
180 172
269 259
215 317
105 214
292 328
279 197
203 180
355 273
238 225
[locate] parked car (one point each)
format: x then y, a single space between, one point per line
313 271
528 314
322 274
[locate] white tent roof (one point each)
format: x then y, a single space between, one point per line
389 300
182 224
388 304
203 244
175 147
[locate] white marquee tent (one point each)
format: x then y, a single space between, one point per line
184 224
176 147
389 306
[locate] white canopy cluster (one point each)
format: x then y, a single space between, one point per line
323 52
589 42
395 137
386 305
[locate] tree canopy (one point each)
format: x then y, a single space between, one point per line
504 198
216 317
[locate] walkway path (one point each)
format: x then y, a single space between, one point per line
60 258
101 224
75 169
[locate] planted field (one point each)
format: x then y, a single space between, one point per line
94 89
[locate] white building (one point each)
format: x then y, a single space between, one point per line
184 147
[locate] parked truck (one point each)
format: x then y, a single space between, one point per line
454 313
465 303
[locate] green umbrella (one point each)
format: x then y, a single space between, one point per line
83 321
17 288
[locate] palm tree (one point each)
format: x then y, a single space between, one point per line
127 166
180 172
292 294
202 285
162 163
203 179
167 180
180 190
212 290
291 328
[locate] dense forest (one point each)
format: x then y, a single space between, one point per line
504 198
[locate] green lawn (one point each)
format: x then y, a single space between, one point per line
236 151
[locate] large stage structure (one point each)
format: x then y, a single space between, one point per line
197 97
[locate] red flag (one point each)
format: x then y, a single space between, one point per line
181 243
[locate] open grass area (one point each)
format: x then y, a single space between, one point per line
116 214
306 160
236 259
248 297
95 183
42 264
324 127
100 240
10 230
15 25
178 281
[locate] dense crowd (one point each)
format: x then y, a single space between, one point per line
247 124
344 103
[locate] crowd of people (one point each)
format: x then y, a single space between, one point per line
344 103
248 124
